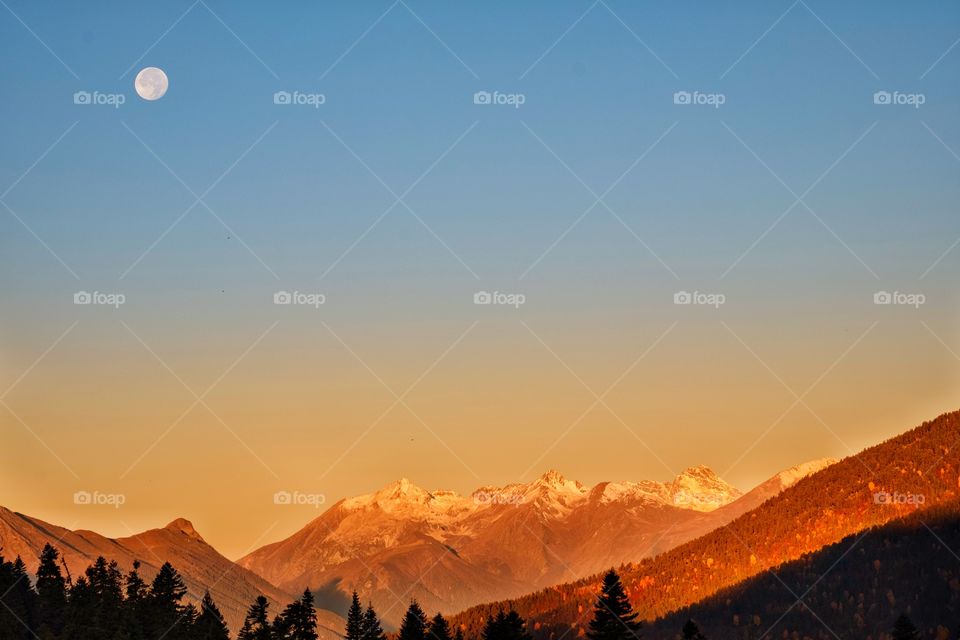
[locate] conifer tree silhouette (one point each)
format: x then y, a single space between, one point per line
438 628
354 630
166 615
414 623
256 624
372 629
298 621
210 624
51 594
17 601
505 626
613 617
692 632
903 629
134 608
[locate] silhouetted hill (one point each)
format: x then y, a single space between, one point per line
817 511
855 588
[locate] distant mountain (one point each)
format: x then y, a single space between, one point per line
202 567
855 588
451 551
883 483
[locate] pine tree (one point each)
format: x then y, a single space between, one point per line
613 617
104 580
692 632
354 630
493 627
514 626
414 624
256 625
372 629
298 621
51 594
134 608
438 629
165 615
18 600
210 624
459 634
903 629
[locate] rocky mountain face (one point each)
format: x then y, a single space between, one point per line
202 567
451 551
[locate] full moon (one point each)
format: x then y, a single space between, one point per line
151 83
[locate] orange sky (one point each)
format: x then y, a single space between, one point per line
497 408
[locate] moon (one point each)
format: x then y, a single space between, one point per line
151 83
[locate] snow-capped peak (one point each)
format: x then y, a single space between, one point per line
793 475
555 481
701 489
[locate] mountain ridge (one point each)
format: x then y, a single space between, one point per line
452 547
202 567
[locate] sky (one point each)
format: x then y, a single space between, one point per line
591 164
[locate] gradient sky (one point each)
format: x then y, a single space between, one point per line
103 399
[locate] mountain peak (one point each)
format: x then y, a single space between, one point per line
182 525
699 471
701 489
401 491
553 477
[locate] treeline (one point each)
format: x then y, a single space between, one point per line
105 604
856 588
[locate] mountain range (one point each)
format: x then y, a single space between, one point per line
447 550
451 551
677 543
918 469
